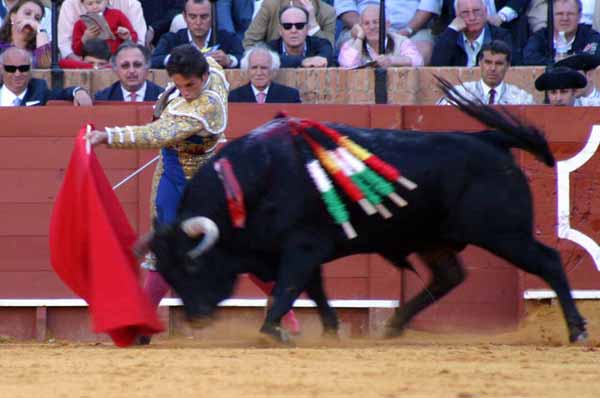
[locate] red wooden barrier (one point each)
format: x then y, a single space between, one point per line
35 144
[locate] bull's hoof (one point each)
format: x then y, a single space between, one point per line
199 322
331 334
276 334
394 328
577 333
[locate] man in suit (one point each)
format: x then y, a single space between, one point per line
20 89
570 36
461 41
494 61
261 65
130 63
295 47
198 18
561 85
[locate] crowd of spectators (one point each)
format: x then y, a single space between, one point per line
306 34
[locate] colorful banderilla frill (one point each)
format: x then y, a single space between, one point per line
333 203
349 166
385 169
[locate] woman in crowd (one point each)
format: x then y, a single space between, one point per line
363 48
21 28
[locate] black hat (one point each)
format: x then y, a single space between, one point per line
583 61
560 77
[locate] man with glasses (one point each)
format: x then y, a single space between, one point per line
295 47
570 36
460 43
20 89
198 19
130 63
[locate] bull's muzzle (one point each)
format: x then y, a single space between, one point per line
196 226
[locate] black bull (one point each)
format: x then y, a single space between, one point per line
470 191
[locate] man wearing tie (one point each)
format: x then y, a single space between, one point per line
261 65
494 61
19 88
130 63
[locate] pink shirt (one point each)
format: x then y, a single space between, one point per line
351 58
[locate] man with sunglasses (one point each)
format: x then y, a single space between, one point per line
295 47
20 89
130 63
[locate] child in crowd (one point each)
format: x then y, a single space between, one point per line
119 25
96 55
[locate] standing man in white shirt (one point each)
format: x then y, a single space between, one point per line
494 62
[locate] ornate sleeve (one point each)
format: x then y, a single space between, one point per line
162 132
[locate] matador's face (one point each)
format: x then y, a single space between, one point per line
190 87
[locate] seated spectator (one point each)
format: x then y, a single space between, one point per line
561 85
158 15
117 22
585 64
20 89
506 14
364 45
96 55
130 63
21 28
537 14
295 47
459 44
265 25
261 65
494 61
235 16
45 23
198 18
570 36
71 10
408 18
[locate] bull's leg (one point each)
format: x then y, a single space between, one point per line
316 292
446 273
537 259
301 258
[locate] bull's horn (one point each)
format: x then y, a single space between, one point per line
196 226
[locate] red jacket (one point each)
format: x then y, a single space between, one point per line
115 18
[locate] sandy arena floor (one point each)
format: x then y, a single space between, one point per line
534 361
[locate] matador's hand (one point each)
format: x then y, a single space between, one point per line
97 137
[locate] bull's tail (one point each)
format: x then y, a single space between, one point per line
517 133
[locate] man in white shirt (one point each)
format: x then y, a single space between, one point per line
494 61
585 64
19 88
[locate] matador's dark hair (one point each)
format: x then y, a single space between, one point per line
188 61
